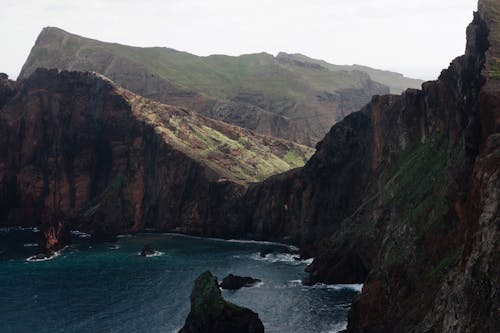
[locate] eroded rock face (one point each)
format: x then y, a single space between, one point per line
210 313
78 152
403 196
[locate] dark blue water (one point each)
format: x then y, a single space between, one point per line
111 288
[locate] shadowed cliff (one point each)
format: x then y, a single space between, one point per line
403 196
77 151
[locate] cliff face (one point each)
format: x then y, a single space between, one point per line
403 196
78 152
297 100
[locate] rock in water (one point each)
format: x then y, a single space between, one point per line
210 313
234 282
147 250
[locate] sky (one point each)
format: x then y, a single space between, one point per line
416 38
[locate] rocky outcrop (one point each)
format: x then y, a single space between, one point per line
78 151
403 196
234 282
210 313
296 101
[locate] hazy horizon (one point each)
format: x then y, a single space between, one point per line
389 35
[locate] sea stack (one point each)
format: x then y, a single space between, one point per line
210 313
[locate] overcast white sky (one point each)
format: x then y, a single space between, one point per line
416 38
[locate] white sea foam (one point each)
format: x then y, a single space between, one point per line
294 283
155 254
30 245
243 241
53 256
114 247
337 327
355 287
8 229
125 236
258 284
280 257
80 234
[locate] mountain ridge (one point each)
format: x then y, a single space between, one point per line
254 91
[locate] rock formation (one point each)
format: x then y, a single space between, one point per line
78 151
210 313
408 191
234 282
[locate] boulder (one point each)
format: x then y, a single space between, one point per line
234 282
147 250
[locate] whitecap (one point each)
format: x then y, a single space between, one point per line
30 245
53 256
125 236
80 234
243 241
280 257
258 284
114 247
339 327
9 229
155 254
294 283
354 287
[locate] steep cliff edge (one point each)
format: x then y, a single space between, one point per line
77 151
297 100
403 196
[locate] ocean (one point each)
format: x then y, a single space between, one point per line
111 288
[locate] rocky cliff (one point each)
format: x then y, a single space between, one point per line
76 151
408 190
298 101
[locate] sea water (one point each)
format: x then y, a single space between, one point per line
111 288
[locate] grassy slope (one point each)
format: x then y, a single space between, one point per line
493 16
217 75
395 81
233 152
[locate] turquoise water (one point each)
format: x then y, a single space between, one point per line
111 288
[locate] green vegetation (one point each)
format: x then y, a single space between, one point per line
219 76
395 81
416 192
235 153
493 69
206 298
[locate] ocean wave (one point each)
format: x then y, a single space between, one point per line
339 327
9 229
354 287
294 283
114 247
281 257
30 245
52 257
80 234
242 241
156 254
125 236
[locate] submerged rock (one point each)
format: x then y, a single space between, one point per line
234 282
210 313
264 252
147 250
